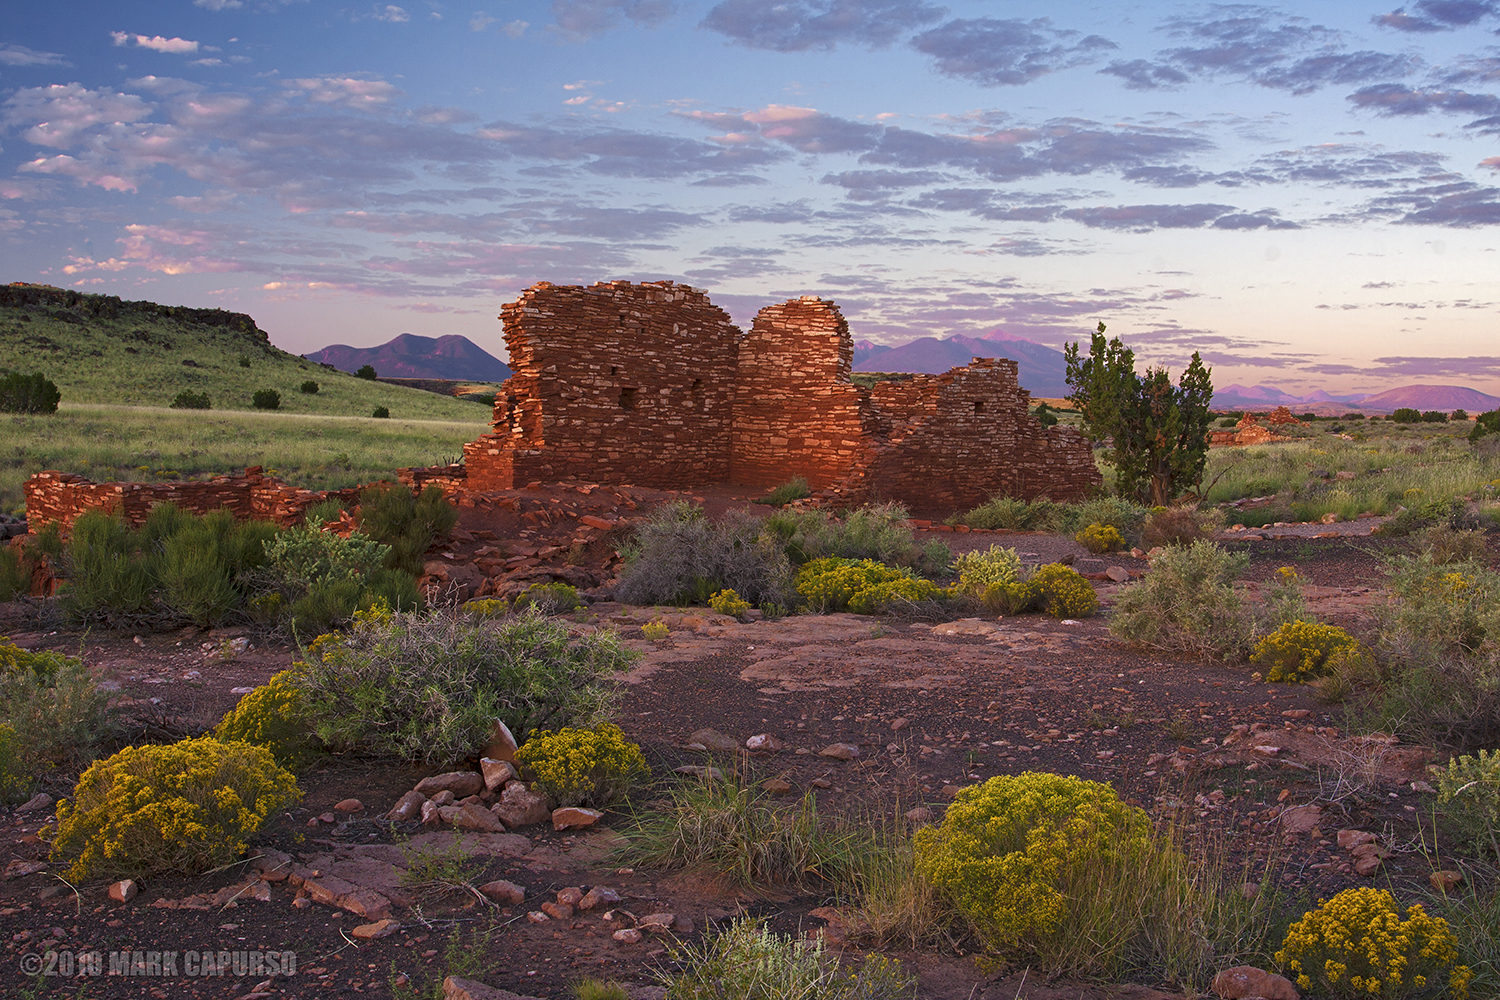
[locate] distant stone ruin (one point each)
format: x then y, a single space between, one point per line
652 385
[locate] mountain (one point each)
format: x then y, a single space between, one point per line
1042 370
1432 397
864 350
411 356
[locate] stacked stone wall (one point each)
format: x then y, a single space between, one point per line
615 383
795 411
63 497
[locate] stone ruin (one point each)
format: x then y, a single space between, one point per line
1248 430
652 385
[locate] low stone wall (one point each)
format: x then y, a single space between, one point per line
63 497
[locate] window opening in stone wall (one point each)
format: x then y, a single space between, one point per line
695 394
978 406
627 399
614 369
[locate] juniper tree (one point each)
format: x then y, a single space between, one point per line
1157 433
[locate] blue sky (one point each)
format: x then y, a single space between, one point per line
1309 194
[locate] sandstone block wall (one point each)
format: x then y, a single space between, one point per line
63 497
616 382
795 410
651 385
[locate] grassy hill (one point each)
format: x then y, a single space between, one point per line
100 349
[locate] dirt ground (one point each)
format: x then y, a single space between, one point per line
930 706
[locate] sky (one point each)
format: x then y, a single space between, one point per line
1308 195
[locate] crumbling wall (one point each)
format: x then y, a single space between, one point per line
615 383
795 411
64 497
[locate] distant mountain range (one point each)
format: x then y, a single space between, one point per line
1042 370
411 356
1418 397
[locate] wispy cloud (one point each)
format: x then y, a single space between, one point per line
1007 52
1439 15
577 20
391 13
803 25
20 55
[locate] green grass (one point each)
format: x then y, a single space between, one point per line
149 444
140 357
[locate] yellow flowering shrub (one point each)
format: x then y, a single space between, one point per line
1062 592
981 569
43 664
14 779
1010 853
186 807
655 630
487 607
1357 945
1300 650
863 586
584 767
271 716
727 602
1100 538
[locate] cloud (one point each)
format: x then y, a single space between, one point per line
1143 218
1006 52
1263 46
480 21
20 55
810 131
348 92
218 5
390 12
59 114
1438 15
1493 162
802 25
156 43
515 29
869 185
1392 99
1459 204
578 20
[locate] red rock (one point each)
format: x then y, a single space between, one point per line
1445 881
598 896
378 929
557 911
123 891
460 783
502 745
627 935
503 892
519 806
472 816
574 817
349 806
1246 981
570 896
496 773
407 808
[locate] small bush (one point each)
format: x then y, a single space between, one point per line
584 767
863 586
15 573
1299 651
34 393
54 706
1010 598
189 400
1187 602
1406 415
271 716
1469 792
381 413
880 532
748 962
1445 544
656 630
1101 538
1284 601
366 372
1013 514
1172 526
427 687
328 578
679 556
1062 592
409 524
727 602
184 808
549 598
487 607
979 570
266 399
309 387
1357 945
1014 854
15 776
784 494
1441 606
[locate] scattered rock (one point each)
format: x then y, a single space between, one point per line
502 744
557 911
472 816
574 817
538 917
123 891
570 896
712 739
1350 839
764 741
1301 819
460 783
598 896
349 807
379 929
456 988
1445 881
919 815
821 783
41 800
899 724
503 892
444 798
20 867
1246 981
520 806
1119 574
496 772
431 813
776 786
1367 858
657 922
627 935
840 751
407 808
